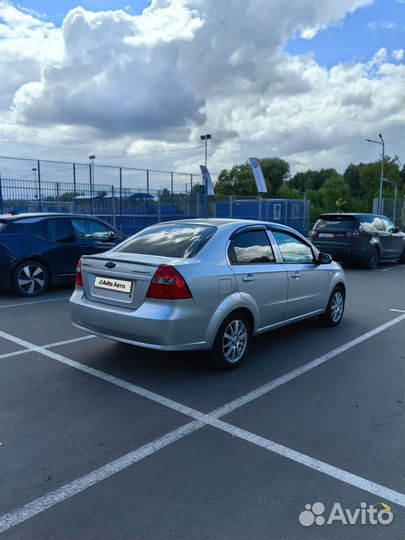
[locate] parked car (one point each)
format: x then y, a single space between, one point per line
206 284
361 238
39 249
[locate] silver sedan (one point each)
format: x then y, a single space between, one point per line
206 284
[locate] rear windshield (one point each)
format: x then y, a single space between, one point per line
23 226
182 240
336 223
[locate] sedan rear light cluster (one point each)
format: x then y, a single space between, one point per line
168 284
79 277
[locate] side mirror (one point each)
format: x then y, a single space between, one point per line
324 258
394 230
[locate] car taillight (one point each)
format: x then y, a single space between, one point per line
168 284
79 277
352 234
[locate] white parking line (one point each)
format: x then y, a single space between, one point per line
48 346
39 505
398 310
391 268
35 302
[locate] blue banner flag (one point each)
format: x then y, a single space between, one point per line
258 174
207 179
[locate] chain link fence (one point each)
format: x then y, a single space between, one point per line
127 209
394 209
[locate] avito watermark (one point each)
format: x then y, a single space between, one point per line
367 514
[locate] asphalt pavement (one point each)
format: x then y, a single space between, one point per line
104 440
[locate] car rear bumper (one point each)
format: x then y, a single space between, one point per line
347 253
167 326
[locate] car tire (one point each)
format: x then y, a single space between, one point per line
30 278
373 258
401 260
335 308
232 341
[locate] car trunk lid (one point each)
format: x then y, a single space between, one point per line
120 279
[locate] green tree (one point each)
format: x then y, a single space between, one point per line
286 191
240 181
336 195
370 174
352 177
311 179
275 172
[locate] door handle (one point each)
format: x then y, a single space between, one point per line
249 277
296 275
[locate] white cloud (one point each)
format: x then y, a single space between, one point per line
398 54
385 25
113 81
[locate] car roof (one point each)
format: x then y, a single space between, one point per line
15 217
226 223
349 214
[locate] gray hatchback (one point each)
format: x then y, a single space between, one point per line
206 284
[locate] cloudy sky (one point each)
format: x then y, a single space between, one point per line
137 82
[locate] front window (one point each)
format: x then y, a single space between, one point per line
388 224
175 240
90 229
292 249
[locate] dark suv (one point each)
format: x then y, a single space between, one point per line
361 238
39 249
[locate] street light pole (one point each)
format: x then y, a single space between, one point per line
381 142
205 138
92 158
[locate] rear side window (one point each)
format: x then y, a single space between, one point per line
25 226
251 247
59 230
336 224
182 240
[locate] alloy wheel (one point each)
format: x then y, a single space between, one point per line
235 340
31 279
336 307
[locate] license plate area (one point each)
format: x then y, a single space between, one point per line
112 284
326 235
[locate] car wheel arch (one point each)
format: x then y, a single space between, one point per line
34 258
223 311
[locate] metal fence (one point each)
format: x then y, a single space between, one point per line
292 212
128 210
132 209
91 173
394 209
